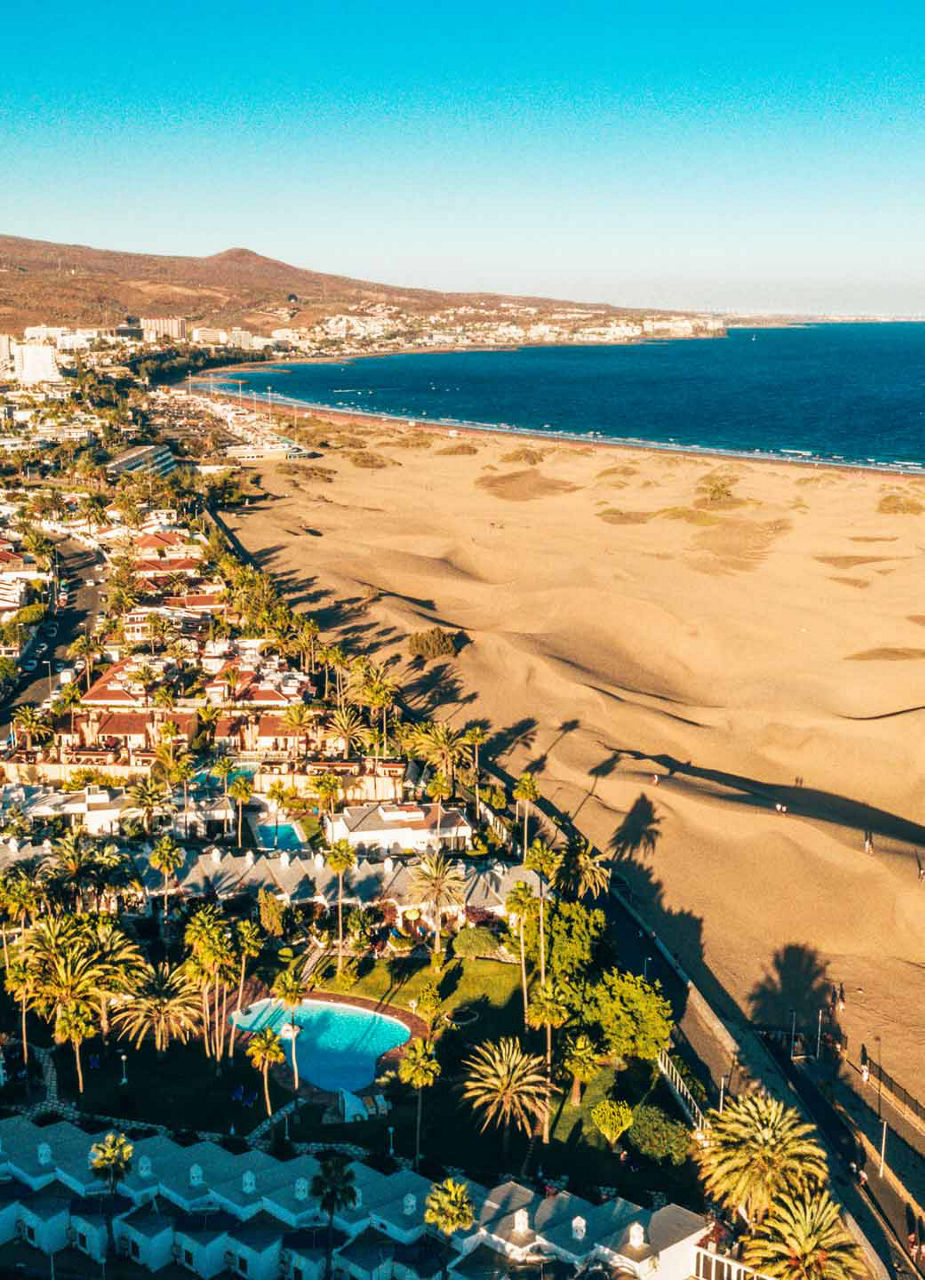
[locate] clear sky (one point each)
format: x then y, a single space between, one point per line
676 154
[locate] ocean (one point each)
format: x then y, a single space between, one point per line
843 393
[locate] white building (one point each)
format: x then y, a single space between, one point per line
400 828
34 362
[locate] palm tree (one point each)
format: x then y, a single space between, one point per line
506 1085
543 860
582 871
148 796
32 724
290 990
526 792
163 1002
298 719
327 788
223 767
341 857
250 944
111 1160
347 724
581 1062
439 789
547 1009
802 1238
334 1187
276 794
440 883
167 857
68 865
241 790
19 979
441 747
85 647
418 1066
449 1209
182 772
117 961
93 509
519 904
756 1149
476 737
265 1050
75 1024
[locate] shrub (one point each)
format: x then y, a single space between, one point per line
477 941
434 643
655 1135
612 1119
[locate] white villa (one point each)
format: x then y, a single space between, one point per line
400 828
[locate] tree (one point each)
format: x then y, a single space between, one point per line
111 1161
265 1050
19 979
341 857
655 1135
182 773
334 1187
519 905
328 788
573 937
348 725
438 788
31 723
148 796
526 792
223 768
298 719
756 1150
478 940
418 1067
802 1238
507 1086
250 945
440 883
276 794
74 1024
543 860
581 1062
634 1016
290 990
476 737
449 1209
272 913
611 1119
547 1009
581 871
86 647
162 1002
167 857
241 790
441 747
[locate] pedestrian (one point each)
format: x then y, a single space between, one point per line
654 779
865 1073
841 996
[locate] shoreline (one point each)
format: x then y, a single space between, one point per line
283 406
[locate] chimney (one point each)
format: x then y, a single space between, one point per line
301 1188
44 1153
144 1167
195 1175
249 1182
409 1204
637 1235
284 860
579 1228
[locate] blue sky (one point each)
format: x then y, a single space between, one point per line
724 156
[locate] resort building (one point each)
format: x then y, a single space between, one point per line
249 1214
163 327
143 457
395 829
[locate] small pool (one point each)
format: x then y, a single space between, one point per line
286 837
338 1045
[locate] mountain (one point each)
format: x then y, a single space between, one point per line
73 284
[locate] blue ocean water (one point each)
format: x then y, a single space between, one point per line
839 392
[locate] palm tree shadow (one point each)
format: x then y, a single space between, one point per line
638 833
795 983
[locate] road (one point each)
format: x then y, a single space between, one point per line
77 564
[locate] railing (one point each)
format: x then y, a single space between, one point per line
714 1266
680 1090
915 1108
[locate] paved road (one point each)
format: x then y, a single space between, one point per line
77 564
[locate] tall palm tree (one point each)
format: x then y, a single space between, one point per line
223 768
31 723
439 789
802 1238
526 792
298 719
547 1009
449 1209
476 737
418 1066
440 883
276 794
68 866
581 1062
240 791
111 1160
334 1187
519 904
149 797
117 960
75 1023
544 860
754 1151
86 647
250 944
348 724
181 774
290 990
506 1086
167 857
162 1002
19 979
265 1050
341 858
581 871
441 747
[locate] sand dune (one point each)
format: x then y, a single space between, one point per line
619 619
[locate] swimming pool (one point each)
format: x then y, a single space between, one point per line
338 1045
287 837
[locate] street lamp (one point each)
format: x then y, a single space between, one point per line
391 1140
645 969
124 1057
879 1043
46 662
793 1032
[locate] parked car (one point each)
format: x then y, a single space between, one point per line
30 666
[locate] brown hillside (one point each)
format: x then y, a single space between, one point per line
74 284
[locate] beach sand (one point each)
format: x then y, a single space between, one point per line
750 623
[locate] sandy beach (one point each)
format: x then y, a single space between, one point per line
727 626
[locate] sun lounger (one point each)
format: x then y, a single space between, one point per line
370 1106
381 1105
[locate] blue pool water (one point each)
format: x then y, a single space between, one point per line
286 838
839 392
338 1045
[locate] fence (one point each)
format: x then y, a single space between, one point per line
680 1090
915 1108
714 1266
